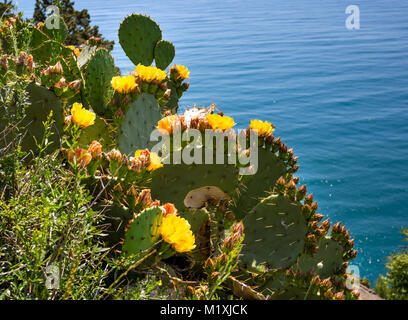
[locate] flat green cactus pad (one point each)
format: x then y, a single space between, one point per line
37 38
142 234
270 169
138 35
100 132
275 232
48 50
164 53
58 32
279 288
139 122
330 254
98 75
173 182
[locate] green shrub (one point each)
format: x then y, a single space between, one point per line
394 285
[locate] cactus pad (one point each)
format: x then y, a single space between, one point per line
173 182
142 232
164 53
98 75
117 216
138 36
270 169
275 232
330 254
139 122
100 132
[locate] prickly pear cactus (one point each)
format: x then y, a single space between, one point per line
164 53
270 168
275 234
100 131
138 36
142 232
98 76
139 122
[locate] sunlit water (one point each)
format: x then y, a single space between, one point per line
338 97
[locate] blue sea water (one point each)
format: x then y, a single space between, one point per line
338 97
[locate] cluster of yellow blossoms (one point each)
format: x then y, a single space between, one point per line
82 117
211 121
124 85
176 230
150 74
263 128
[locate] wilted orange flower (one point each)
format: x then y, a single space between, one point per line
168 208
115 154
95 149
82 156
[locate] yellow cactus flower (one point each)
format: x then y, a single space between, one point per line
124 85
167 124
176 231
150 74
182 71
263 128
155 160
220 122
82 117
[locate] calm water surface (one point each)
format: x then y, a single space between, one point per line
338 97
